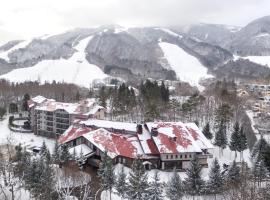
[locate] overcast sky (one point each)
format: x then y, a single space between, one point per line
31 18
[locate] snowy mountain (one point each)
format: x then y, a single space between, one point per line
188 53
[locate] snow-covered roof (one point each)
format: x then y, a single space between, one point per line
84 107
126 145
72 133
36 100
39 99
198 136
81 149
174 137
111 124
147 143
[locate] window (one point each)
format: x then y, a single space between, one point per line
185 156
124 160
190 156
176 156
171 156
167 157
181 156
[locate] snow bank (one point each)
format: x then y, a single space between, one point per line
75 70
187 67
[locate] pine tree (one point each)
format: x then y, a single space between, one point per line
44 150
55 155
242 142
235 139
233 175
259 148
155 188
120 184
64 155
221 137
106 173
194 183
174 188
138 185
216 181
206 131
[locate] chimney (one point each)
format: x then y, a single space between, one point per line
154 131
139 129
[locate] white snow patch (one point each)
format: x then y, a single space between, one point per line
75 70
20 45
262 60
26 139
187 67
262 35
170 32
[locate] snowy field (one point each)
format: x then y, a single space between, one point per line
75 70
187 67
26 139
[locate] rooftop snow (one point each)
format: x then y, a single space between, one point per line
174 137
72 133
110 124
198 136
115 144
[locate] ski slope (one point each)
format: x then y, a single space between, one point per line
187 67
75 70
262 60
20 45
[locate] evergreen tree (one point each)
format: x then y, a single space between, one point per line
25 100
174 188
206 131
242 142
222 118
106 174
259 149
221 137
43 150
235 139
194 183
56 155
216 181
120 184
64 156
155 188
138 185
233 175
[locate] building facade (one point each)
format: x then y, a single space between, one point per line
51 118
160 145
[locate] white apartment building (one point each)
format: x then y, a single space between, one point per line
51 118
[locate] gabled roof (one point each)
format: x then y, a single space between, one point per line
126 145
173 137
198 136
72 133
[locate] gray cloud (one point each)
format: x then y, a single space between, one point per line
31 18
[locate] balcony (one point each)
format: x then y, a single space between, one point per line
66 116
49 118
49 124
62 121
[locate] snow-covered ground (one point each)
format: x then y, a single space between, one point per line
262 60
187 67
75 70
26 139
227 158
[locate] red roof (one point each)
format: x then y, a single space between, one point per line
72 133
